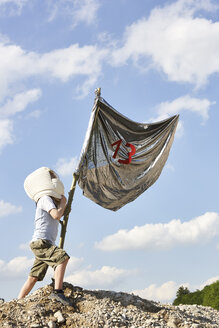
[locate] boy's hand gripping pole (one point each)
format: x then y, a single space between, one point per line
67 210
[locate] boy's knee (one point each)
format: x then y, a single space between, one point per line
32 279
65 262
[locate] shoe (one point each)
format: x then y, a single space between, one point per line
60 297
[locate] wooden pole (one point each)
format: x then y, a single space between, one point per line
72 191
67 210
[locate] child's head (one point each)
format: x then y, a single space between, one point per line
43 181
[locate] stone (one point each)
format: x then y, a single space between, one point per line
171 324
102 309
58 315
51 324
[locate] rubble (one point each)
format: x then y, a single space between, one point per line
101 309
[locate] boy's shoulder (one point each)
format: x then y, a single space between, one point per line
46 202
44 198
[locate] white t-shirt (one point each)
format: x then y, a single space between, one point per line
45 226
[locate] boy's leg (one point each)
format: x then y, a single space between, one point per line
37 273
58 293
28 285
59 274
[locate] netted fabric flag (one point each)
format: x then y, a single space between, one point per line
121 158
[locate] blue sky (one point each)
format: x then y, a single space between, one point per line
152 59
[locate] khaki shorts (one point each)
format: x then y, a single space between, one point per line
46 255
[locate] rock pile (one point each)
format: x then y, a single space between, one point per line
101 309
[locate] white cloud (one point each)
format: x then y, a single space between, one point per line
16 268
175 40
107 40
105 277
25 247
72 61
7 208
86 11
184 103
163 235
12 106
19 102
74 264
6 129
79 11
16 2
66 167
167 291
13 7
169 167
17 65
209 282
35 114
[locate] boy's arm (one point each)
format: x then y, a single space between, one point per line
57 213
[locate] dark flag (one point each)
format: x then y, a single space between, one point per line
121 158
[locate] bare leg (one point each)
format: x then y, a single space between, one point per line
28 285
59 274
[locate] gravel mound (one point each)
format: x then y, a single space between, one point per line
101 309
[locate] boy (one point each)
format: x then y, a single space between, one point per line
49 211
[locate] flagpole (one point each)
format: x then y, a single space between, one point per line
64 222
